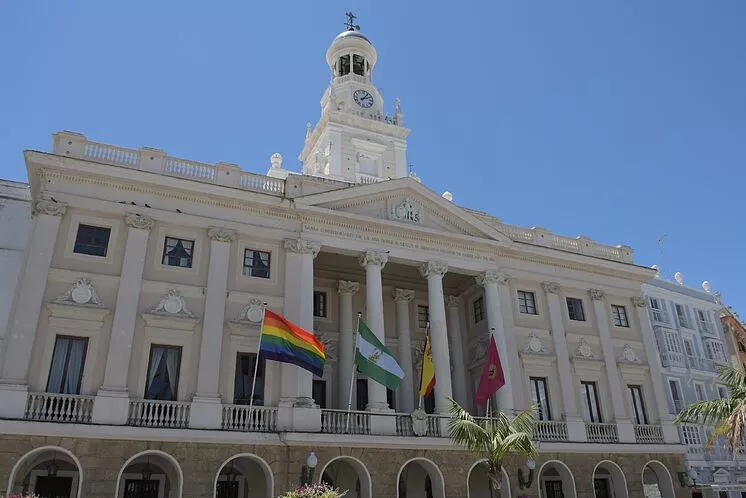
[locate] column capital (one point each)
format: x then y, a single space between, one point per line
348 287
453 301
43 206
430 268
374 258
550 287
217 234
597 294
639 301
302 246
402 295
134 220
492 277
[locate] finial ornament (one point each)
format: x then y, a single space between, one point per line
351 26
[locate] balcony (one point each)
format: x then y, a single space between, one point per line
61 408
706 328
702 364
157 413
671 359
601 433
649 433
550 430
237 418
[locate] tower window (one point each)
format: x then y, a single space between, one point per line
358 65
344 65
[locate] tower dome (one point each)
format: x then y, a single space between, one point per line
351 52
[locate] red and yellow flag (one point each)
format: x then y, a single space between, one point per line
427 375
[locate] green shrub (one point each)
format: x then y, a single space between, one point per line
313 491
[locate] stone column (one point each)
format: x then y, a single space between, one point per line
511 343
22 328
670 432
296 383
373 262
347 324
490 280
403 297
457 350
624 424
112 399
434 271
206 409
575 424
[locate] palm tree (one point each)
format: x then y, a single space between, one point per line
726 415
493 438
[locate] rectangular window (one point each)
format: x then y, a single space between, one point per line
358 65
527 302
319 393
319 304
391 399
675 388
699 390
178 252
540 398
68 360
344 65
423 315
256 263
575 309
361 399
681 315
659 313
478 310
92 240
163 373
688 347
245 365
590 400
638 404
620 315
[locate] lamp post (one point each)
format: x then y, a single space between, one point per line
692 476
526 482
306 475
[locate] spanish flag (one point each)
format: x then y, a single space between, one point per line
288 343
427 375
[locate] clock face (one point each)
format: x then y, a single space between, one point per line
363 98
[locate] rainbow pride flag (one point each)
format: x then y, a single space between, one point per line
286 342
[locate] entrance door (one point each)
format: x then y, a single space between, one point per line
553 489
602 487
53 487
137 488
227 489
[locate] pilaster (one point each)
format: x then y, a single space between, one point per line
402 298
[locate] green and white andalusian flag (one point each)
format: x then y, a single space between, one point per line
374 360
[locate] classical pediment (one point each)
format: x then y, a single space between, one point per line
403 202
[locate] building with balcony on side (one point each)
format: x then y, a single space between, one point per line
691 342
133 340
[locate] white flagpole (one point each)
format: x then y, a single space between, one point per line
352 374
256 361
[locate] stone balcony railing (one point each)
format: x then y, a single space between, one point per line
158 413
702 364
601 433
649 433
249 419
65 408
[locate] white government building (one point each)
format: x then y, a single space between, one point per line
130 344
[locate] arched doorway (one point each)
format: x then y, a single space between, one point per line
150 474
348 474
244 476
420 478
609 480
556 481
479 485
657 481
47 472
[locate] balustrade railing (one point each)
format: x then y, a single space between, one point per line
345 422
601 433
261 419
51 407
550 430
110 154
188 169
649 433
671 359
698 363
158 413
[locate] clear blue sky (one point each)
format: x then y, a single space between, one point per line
621 120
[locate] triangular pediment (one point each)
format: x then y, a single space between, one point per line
404 201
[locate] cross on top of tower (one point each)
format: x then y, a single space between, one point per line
351 26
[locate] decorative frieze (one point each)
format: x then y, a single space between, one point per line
403 295
639 301
492 277
134 220
550 287
585 351
172 304
51 208
253 311
431 268
597 294
407 210
374 258
302 246
348 287
628 355
534 344
80 293
221 234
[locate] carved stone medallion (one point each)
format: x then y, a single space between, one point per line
172 304
407 210
534 344
253 311
419 422
82 293
629 355
585 350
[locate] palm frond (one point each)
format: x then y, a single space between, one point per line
713 412
732 378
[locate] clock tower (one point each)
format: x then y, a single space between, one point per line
355 140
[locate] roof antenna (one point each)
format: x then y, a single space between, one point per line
663 255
